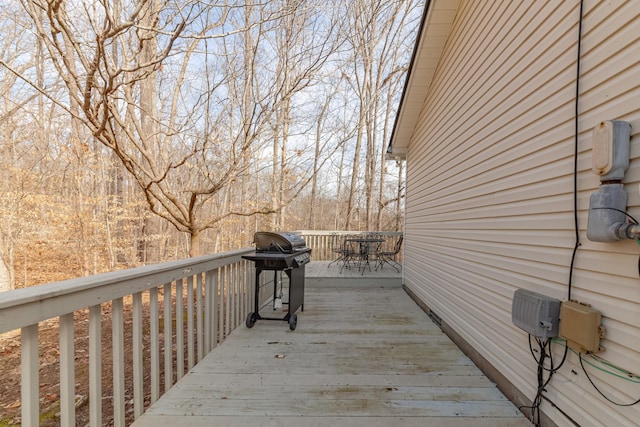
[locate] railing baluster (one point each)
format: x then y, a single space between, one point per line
240 303
179 329
138 354
168 339
221 303
95 366
229 287
30 385
234 289
117 325
199 326
224 291
251 277
227 297
190 315
213 309
209 314
243 293
67 376
232 298
154 332
229 282
240 318
249 285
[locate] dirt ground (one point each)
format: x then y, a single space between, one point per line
49 370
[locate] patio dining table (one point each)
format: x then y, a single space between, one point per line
365 246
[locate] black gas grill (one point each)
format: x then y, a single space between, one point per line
277 252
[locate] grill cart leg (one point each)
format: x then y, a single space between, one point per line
293 322
251 320
277 296
253 316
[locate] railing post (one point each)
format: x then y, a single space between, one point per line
251 284
117 325
221 304
30 385
179 329
245 290
190 314
67 377
236 295
214 305
224 286
95 366
154 332
209 318
199 325
168 338
138 384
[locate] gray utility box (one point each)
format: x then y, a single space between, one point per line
607 219
536 314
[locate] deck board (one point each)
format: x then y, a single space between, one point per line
329 274
359 357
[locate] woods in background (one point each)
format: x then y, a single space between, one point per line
147 130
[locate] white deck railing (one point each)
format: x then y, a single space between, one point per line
178 311
324 242
181 309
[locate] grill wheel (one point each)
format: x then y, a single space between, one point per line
293 322
251 320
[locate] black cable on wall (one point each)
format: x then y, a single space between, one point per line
575 156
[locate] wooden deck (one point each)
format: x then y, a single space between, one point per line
359 357
325 273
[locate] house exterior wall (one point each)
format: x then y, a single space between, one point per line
490 179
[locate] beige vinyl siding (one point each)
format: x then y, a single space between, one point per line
490 187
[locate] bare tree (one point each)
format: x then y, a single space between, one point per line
116 93
303 40
214 116
14 187
376 36
392 63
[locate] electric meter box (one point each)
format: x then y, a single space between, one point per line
610 157
536 314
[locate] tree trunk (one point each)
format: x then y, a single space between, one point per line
148 119
314 179
285 117
6 284
353 189
399 225
194 246
276 176
337 224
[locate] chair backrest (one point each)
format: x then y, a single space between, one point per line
336 242
398 245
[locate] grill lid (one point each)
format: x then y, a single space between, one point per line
279 242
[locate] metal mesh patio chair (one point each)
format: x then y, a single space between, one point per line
389 257
344 251
337 247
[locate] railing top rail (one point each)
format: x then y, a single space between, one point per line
341 232
23 307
